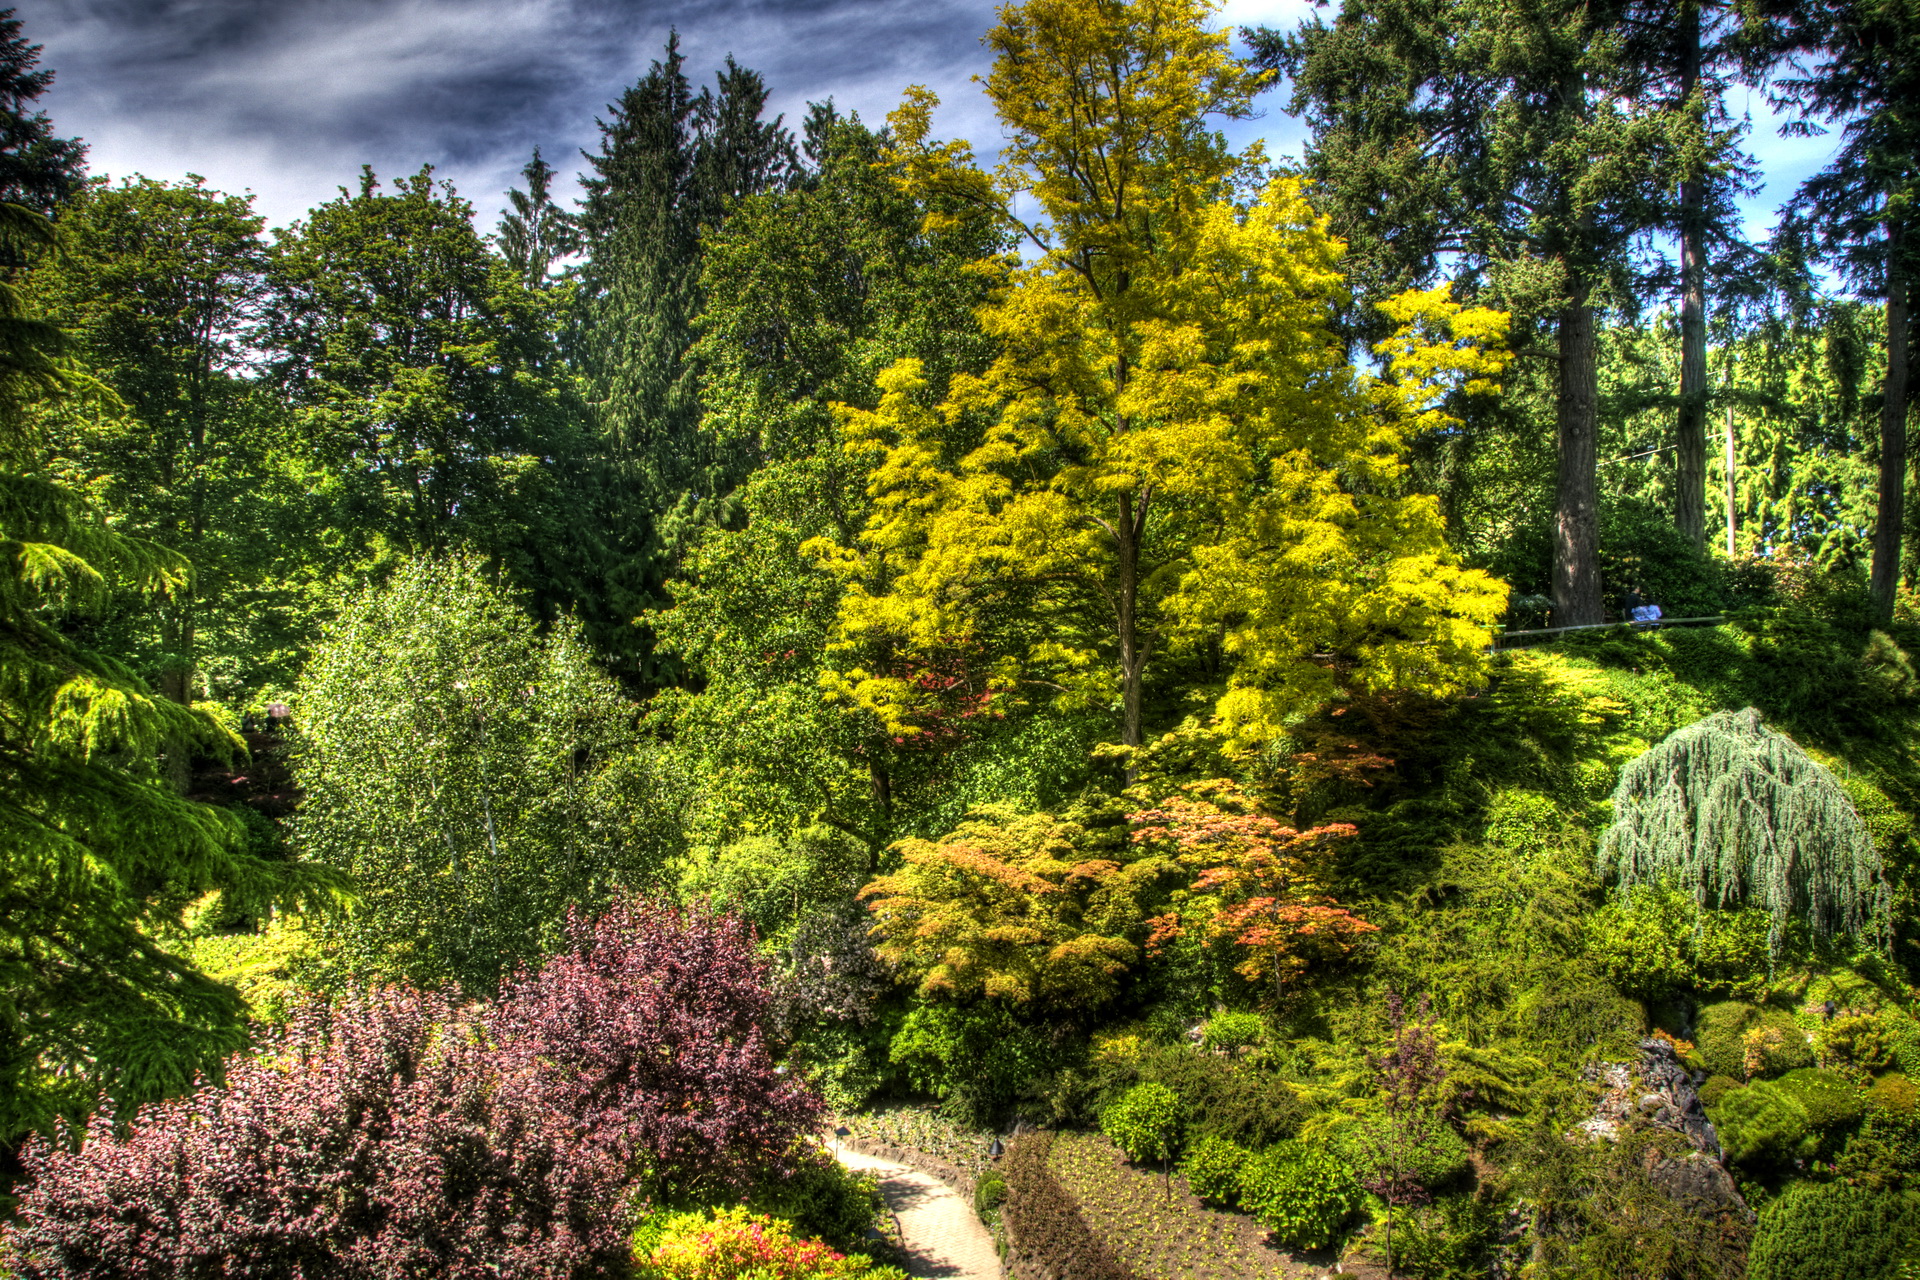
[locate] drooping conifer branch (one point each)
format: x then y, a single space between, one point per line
1735 813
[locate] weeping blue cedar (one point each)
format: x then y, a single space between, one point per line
1734 813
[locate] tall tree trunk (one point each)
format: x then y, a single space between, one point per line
1690 453
1893 436
1133 658
1576 518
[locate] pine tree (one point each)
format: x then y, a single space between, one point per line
669 165
1515 144
1734 813
98 854
535 232
1856 63
37 170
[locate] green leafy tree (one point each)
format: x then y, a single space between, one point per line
420 370
100 854
1733 813
472 776
161 286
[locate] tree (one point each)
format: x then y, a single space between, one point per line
101 854
37 170
1008 908
472 776
1857 63
1733 812
1170 449
670 164
161 285
1515 145
535 232
1257 885
419 367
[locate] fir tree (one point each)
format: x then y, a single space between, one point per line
98 854
535 232
37 169
1734 813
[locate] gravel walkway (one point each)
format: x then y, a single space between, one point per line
941 1233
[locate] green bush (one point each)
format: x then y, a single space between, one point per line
1884 1151
1834 1231
1148 1124
1213 1170
1302 1194
988 1195
824 1199
735 1244
1860 1041
1830 1100
1715 1089
1446 1240
1747 1041
1761 1126
1233 1100
1427 1150
1232 1032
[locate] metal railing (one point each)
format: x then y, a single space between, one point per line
1500 638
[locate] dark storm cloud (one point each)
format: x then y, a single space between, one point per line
289 97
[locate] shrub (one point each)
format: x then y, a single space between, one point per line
1045 1223
1301 1194
822 1198
1213 1170
1833 1231
1715 1089
400 1134
1428 1151
1884 1151
988 1195
1859 1041
1895 1093
736 1244
1745 1041
1148 1123
1232 1032
1231 1100
1761 1126
1447 1239
1830 1100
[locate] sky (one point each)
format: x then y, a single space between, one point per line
288 98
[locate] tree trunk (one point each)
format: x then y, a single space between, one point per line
1576 520
1133 662
1893 437
1690 434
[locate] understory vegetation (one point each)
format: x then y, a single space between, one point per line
513 745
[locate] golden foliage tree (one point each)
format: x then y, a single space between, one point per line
1171 449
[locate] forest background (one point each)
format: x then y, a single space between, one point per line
813 521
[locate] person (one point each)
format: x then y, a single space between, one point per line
1630 603
1646 613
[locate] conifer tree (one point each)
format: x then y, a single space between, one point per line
1515 144
98 854
1734 813
37 170
535 232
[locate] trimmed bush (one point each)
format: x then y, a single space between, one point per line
1232 1032
1760 1126
1715 1089
1830 1100
1833 1231
1860 1041
988 1195
736 1244
1300 1193
1044 1221
1148 1124
1213 1170
401 1134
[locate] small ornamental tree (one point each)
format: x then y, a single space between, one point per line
400 1134
1410 1146
1732 812
1257 885
1148 1123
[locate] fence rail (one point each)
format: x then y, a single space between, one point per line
1500 638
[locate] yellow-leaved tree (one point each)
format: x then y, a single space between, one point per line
1172 448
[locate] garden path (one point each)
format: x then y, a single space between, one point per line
943 1237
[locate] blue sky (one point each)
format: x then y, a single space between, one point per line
288 98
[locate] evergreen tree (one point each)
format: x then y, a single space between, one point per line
535 232
1734 813
37 170
1856 63
98 854
669 165
1517 144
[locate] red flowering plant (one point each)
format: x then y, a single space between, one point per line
401 1133
734 1244
1257 884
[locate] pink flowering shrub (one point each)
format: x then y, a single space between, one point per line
398 1134
735 1244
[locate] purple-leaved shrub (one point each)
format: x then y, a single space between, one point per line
398 1133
